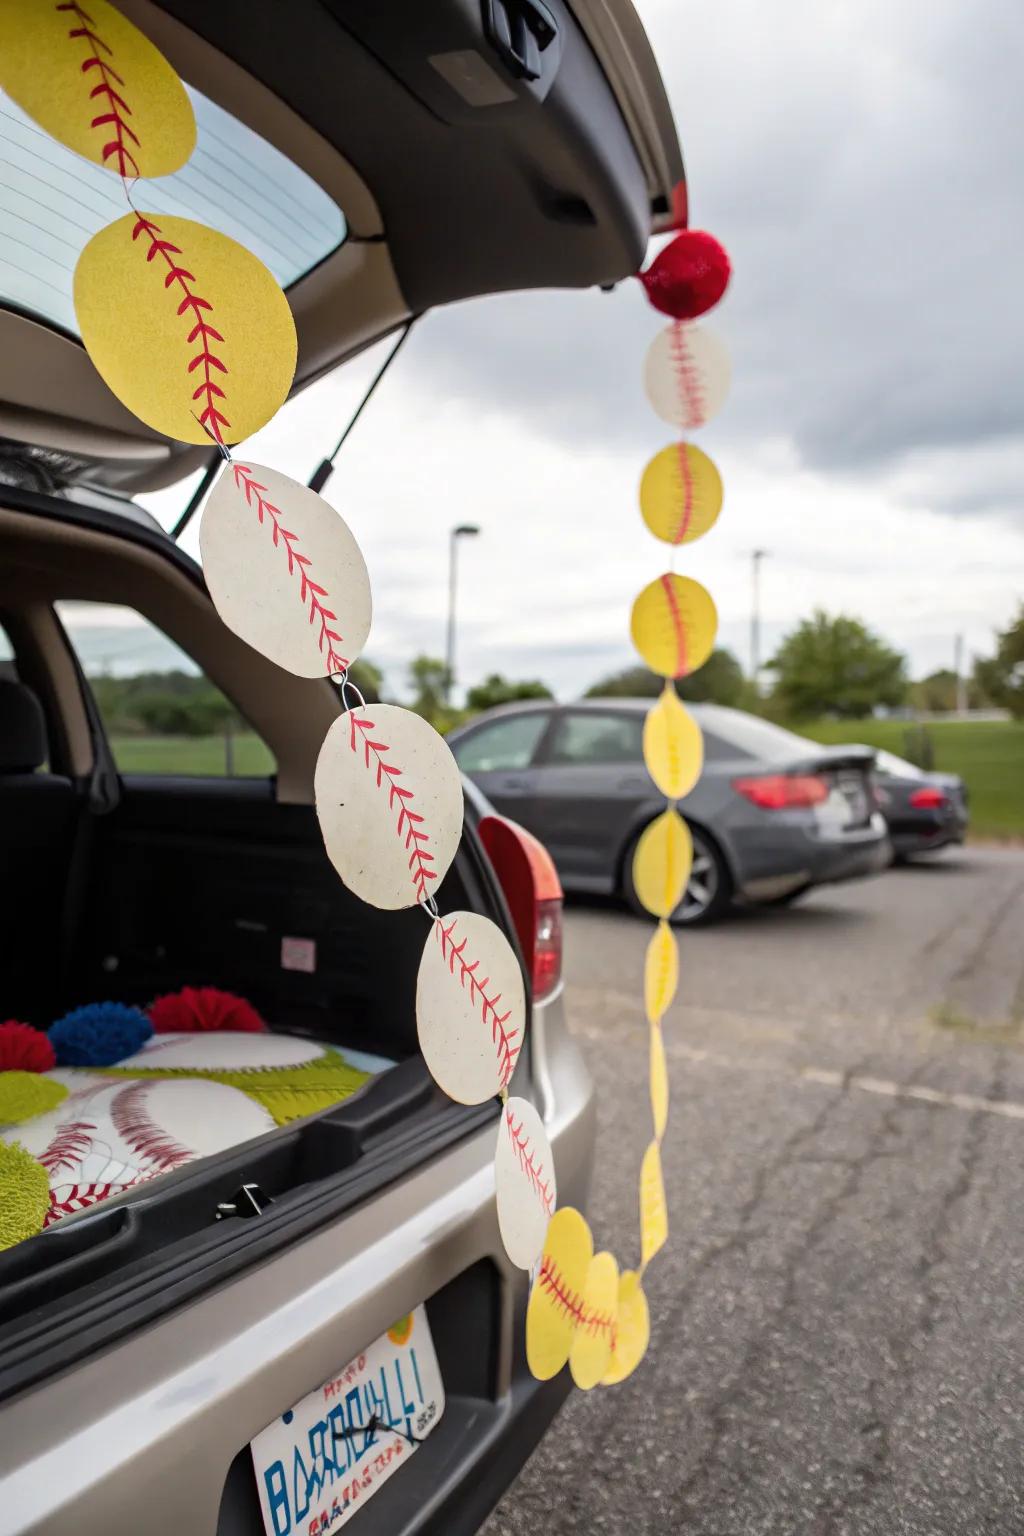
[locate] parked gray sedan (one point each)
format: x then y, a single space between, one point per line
772 815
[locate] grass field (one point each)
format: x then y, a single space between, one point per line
199 756
987 754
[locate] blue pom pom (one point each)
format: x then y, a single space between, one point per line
99 1035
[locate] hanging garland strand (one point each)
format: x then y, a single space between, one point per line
195 336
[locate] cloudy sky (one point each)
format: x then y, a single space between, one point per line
860 160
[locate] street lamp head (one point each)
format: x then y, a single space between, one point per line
470 530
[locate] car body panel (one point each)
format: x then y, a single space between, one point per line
920 829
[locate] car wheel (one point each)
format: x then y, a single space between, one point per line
708 891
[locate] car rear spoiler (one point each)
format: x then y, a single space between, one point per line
832 758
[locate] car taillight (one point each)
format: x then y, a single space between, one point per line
927 798
783 791
534 894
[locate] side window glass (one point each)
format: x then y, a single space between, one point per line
594 738
160 713
507 744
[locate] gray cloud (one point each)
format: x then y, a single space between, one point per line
860 161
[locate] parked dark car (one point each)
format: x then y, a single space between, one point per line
924 811
772 815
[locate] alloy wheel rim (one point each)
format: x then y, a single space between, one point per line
702 884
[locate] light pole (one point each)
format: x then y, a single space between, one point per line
460 531
756 555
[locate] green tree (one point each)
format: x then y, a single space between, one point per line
719 681
836 666
428 678
496 690
1001 677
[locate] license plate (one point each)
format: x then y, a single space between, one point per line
318 1464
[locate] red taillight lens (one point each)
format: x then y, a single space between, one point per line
927 798
534 894
783 791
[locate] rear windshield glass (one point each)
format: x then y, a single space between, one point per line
52 202
898 767
751 737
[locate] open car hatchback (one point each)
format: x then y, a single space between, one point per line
270 1294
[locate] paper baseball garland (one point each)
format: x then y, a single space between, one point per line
194 335
304 544
96 84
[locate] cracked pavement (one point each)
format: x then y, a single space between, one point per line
837 1321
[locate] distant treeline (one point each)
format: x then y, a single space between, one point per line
162 704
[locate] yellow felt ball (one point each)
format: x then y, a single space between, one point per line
24 1094
661 864
87 75
556 1300
188 328
673 745
24 1194
680 494
632 1331
653 1209
673 625
591 1351
661 972
659 1082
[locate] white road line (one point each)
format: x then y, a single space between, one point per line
827 1077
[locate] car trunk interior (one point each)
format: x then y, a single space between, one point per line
127 887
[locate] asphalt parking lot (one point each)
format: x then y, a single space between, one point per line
838 1319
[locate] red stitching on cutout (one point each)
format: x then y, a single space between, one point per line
691 385
80 1196
133 1124
532 1168
686 473
504 1040
410 822
115 102
569 1302
72 1139
677 624
334 661
211 417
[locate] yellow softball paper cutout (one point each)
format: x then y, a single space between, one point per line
674 624
556 1300
96 84
661 864
188 328
591 1351
673 746
659 1082
680 494
632 1330
661 972
653 1209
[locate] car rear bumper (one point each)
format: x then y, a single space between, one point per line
153 1433
924 833
771 861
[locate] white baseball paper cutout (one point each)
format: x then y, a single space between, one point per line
223 1051
284 571
389 799
167 1122
687 373
524 1180
470 1007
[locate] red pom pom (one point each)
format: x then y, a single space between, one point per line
689 276
24 1049
196 1010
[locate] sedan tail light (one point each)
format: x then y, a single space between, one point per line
783 791
534 894
928 798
